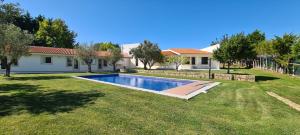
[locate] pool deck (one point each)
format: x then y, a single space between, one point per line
189 88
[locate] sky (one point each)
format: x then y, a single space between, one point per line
169 23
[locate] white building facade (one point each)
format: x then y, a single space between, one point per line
198 59
47 59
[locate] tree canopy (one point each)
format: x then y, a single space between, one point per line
284 50
115 54
176 60
13 45
105 46
47 32
55 33
87 54
234 48
148 53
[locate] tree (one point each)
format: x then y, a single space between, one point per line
9 12
248 47
13 45
105 46
147 53
55 33
114 56
283 50
231 49
296 50
154 54
87 54
256 37
219 56
177 60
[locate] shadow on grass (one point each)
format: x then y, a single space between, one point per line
36 102
265 78
6 88
37 78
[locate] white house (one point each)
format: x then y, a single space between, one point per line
197 58
48 59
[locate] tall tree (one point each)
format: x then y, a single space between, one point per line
13 45
9 12
283 50
87 54
114 56
248 47
105 46
55 33
176 60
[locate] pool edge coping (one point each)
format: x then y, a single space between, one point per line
186 97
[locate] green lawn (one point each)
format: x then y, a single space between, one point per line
59 104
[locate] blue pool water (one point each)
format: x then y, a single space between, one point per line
151 83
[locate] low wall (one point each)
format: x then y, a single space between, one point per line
249 78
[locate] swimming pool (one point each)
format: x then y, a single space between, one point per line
179 88
150 83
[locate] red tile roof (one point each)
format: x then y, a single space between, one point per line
167 53
63 51
52 50
188 51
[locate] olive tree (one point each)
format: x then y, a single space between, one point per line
114 55
148 53
87 54
177 60
14 43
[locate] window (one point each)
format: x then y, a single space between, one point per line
193 61
47 60
69 62
99 63
104 63
136 62
204 60
188 60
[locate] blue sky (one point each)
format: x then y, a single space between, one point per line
170 23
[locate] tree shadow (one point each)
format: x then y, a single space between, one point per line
37 78
265 78
5 88
36 102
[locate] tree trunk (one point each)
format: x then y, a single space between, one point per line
114 67
260 63
89 68
7 71
228 68
224 65
145 66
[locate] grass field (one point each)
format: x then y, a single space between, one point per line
60 104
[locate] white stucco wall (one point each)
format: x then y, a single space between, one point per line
33 63
198 57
